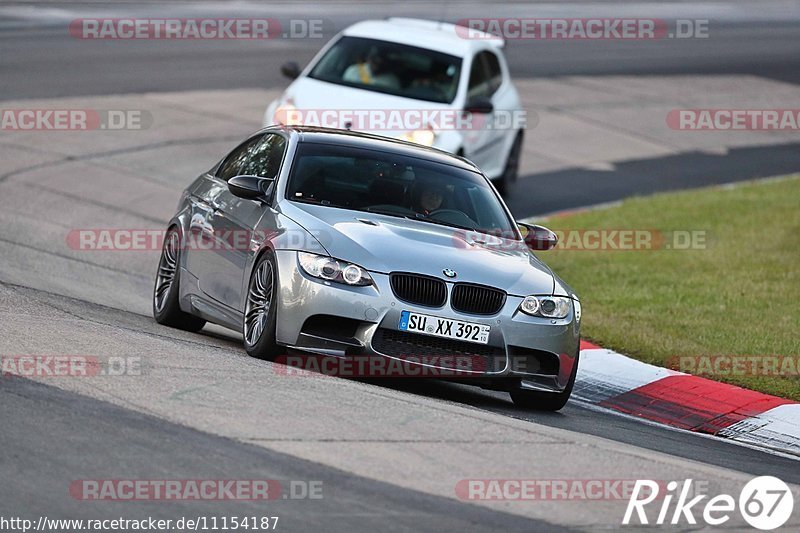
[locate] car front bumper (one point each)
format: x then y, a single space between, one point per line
531 352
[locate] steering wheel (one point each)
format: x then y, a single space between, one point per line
452 216
440 91
456 212
429 90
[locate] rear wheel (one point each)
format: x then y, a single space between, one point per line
260 310
166 309
545 401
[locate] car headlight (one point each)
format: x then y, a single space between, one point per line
288 115
547 306
330 269
424 137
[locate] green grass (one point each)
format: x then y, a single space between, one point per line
738 296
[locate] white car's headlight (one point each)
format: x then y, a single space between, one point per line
547 306
424 137
330 269
288 115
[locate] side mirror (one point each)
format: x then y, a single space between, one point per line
251 187
290 69
479 104
538 238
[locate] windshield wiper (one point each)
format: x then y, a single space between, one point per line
440 223
416 216
386 212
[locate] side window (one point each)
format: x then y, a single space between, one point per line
494 72
265 159
478 79
486 76
236 159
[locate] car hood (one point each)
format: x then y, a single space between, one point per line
382 243
312 96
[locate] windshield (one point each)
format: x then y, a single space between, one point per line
390 68
396 185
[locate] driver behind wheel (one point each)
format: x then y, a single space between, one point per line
428 198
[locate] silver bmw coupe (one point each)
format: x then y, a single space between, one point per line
343 245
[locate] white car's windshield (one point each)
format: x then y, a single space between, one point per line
390 68
396 185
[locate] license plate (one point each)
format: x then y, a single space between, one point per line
444 327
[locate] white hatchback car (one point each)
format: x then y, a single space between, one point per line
428 82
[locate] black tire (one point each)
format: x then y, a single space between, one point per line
166 290
258 327
545 401
511 169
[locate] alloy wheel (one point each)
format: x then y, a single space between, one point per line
259 301
167 267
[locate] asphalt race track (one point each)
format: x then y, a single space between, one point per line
41 59
745 37
387 454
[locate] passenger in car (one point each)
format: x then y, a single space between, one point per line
372 71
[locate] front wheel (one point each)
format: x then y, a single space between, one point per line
166 309
545 401
511 169
260 309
